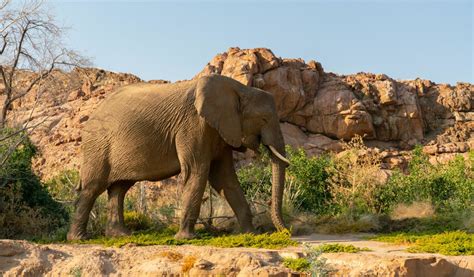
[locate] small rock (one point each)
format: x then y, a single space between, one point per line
83 118
203 264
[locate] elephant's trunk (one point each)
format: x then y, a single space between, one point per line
273 139
278 185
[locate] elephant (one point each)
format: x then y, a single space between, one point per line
152 132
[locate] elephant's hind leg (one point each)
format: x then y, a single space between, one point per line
87 197
115 222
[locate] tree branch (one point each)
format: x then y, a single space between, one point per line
18 53
4 43
34 82
4 77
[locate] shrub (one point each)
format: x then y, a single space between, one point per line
306 187
297 264
62 188
17 219
448 187
98 217
22 193
318 265
355 179
348 189
137 221
307 182
63 185
255 178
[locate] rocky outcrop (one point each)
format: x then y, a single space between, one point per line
391 114
316 108
59 111
340 107
21 258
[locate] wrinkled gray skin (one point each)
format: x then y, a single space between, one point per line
152 132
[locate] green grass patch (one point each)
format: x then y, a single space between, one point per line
297 264
454 243
165 237
339 248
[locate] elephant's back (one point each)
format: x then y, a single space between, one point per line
136 102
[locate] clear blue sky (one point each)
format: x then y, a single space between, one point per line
174 40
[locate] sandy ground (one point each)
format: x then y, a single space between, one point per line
21 258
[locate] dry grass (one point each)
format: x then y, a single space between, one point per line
171 255
356 176
188 263
346 224
414 210
18 219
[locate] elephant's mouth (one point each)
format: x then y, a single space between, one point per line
252 142
278 155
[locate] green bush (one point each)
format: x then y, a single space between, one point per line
309 178
348 185
137 221
256 178
297 264
355 179
62 188
448 187
63 185
22 193
306 186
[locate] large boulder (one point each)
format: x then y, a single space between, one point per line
292 82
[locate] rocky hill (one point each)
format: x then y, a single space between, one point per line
316 108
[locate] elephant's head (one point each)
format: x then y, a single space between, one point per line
245 117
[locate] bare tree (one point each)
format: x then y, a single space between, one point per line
30 40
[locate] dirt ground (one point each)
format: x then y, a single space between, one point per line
22 258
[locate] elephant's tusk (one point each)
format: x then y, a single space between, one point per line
280 156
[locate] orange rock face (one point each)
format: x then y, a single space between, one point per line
316 108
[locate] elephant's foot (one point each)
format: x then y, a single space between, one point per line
76 235
184 235
117 231
248 229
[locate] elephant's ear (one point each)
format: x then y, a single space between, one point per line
218 103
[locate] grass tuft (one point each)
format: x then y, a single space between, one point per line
454 243
171 255
297 264
339 248
188 263
165 237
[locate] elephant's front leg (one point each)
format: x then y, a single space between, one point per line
193 191
223 179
